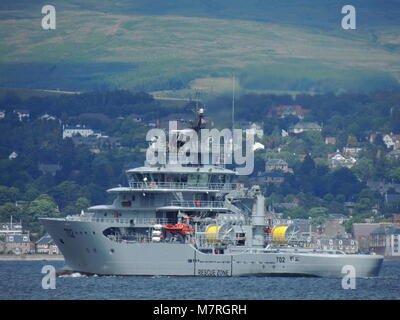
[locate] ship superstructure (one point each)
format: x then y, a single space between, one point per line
189 220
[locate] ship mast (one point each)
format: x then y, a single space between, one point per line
233 102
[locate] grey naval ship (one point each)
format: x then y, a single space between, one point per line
190 220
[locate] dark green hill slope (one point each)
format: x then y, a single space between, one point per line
163 45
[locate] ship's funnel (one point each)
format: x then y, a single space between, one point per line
258 220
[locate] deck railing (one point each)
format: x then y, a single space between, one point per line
196 203
184 185
125 221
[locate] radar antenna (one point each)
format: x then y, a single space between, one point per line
199 122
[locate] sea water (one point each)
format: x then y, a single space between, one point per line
22 280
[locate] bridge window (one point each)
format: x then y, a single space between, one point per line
203 178
192 179
159 177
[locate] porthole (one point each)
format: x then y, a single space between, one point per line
62 241
111 251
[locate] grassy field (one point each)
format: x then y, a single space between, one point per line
100 47
28 93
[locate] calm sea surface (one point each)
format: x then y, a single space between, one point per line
22 280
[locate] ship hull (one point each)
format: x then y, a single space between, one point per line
87 250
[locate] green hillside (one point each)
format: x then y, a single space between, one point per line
160 45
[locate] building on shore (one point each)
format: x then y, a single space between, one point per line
362 233
288 110
277 165
385 241
343 244
338 160
80 130
333 228
14 240
305 127
17 244
396 218
22 114
273 177
10 228
381 238
46 245
50 168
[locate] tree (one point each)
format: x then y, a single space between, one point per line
318 212
76 208
65 193
363 168
307 166
8 194
9 209
364 206
42 206
296 213
352 141
395 174
343 181
82 203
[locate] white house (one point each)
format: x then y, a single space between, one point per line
47 117
352 151
305 126
12 155
70 131
392 140
22 114
338 160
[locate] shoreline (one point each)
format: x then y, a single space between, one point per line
31 257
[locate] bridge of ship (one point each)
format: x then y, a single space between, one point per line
182 178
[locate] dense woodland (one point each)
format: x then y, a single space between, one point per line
85 175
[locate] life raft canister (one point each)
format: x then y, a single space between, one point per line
278 234
212 232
